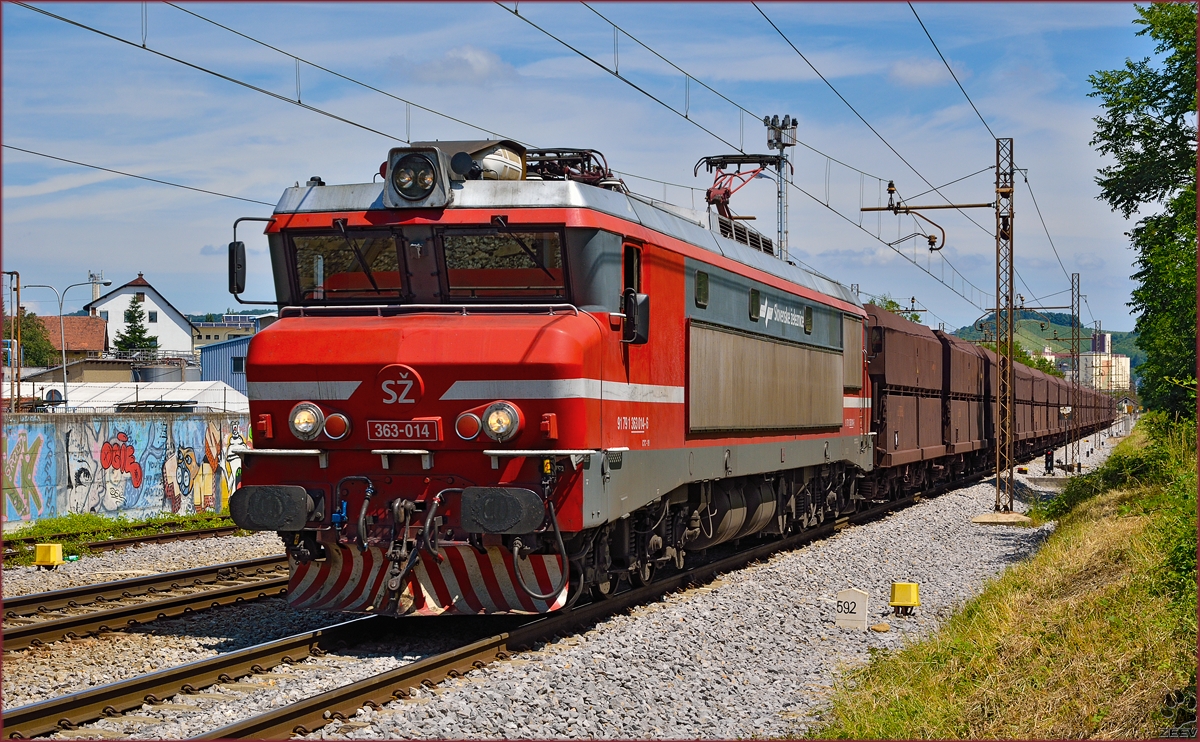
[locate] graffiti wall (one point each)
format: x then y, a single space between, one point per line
120 464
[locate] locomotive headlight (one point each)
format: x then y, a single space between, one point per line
306 421
501 421
414 177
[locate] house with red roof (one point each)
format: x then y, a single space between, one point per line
84 335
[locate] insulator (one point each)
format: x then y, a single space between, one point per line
775 120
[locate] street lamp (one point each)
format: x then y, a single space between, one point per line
62 334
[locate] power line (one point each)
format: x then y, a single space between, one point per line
627 81
989 128
956 180
393 96
139 177
1045 228
284 98
806 193
718 93
214 73
860 116
955 271
347 78
943 58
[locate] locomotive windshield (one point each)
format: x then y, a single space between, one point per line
352 266
502 263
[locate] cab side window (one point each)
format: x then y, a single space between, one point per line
632 269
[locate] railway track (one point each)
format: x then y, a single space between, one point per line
341 703
124 541
41 618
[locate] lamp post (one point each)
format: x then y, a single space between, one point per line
62 335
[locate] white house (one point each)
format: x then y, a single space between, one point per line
172 328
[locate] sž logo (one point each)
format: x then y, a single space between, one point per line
400 384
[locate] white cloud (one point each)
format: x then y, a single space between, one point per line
465 65
57 184
919 73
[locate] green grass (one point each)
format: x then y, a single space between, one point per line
75 530
1086 639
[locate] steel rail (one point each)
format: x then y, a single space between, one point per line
111 699
73 597
162 538
242 589
309 714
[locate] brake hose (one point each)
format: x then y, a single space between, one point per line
361 536
562 550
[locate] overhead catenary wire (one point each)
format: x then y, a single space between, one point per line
1050 239
390 136
982 120
206 70
860 117
339 75
298 59
718 93
626 80
139 177
951 71
954 270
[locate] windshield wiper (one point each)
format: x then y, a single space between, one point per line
502 223
341 225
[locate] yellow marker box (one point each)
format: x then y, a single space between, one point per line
905 595
47 555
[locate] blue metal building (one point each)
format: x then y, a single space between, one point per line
225 361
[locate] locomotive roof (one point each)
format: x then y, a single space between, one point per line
698 228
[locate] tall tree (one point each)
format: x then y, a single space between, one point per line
1148 127
887 302
135 337
39 351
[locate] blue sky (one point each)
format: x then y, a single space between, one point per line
74 94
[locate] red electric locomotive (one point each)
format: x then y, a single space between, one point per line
498 380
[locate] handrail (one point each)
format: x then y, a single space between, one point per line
387 310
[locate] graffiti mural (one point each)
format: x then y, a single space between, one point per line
133 465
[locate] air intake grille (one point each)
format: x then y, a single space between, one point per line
739 232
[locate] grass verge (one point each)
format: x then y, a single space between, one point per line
76 530
1086 639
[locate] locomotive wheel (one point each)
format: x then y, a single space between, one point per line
576 588
605 587
642 574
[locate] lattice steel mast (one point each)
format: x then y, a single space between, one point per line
1004 325
1076 374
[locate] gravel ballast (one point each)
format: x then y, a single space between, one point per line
754 653
138 561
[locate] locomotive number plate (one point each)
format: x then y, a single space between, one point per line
404 430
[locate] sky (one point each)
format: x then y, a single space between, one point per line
75 94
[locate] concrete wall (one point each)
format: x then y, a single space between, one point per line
132 464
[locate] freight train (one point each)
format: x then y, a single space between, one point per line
500 381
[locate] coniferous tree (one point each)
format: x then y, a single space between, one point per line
135 337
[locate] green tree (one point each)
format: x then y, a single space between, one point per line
1148 127
135 337
1020 355
887 302
39 351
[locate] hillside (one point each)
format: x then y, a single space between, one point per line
1057 335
